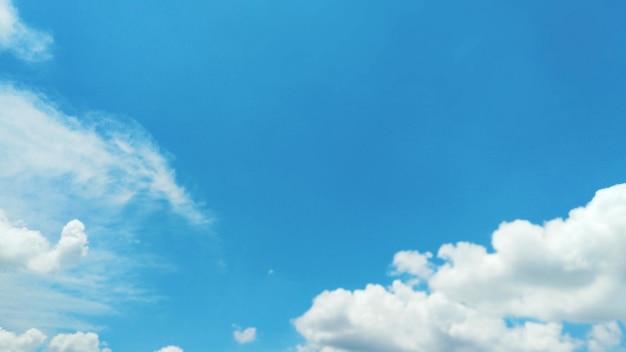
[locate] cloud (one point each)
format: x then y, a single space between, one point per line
76 342
53 158
20 246
33 340
512 297
572 269
245 336
15 36
29 341
170 349
413 263
40 284
56 167
94 168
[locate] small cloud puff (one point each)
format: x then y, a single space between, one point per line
245 336
170 349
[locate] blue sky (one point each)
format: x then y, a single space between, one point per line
228 162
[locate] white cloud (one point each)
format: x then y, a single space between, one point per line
28 297
51 158
76 342
56 167
572 269
15 36
29 341
414 263
604 337
170 349
400 319
514 297
33 340
20 246
245 336
61 167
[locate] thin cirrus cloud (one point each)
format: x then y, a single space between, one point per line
26 43
514 297
53 158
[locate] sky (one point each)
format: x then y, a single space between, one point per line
312 176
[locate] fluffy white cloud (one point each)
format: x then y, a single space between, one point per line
170 349
245 336
33 340
76 342
400 318
20 246
27 43
572 269
513 297
29 341
604 337
413 263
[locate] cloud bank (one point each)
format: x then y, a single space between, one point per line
16 37
515 296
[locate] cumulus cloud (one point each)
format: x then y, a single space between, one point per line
170 349
76 342
514 296
29 341
572 269
604 337
247 335
22 247
33 340
15 36
413 263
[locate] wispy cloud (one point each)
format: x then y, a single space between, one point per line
15 36
514 297
52 159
